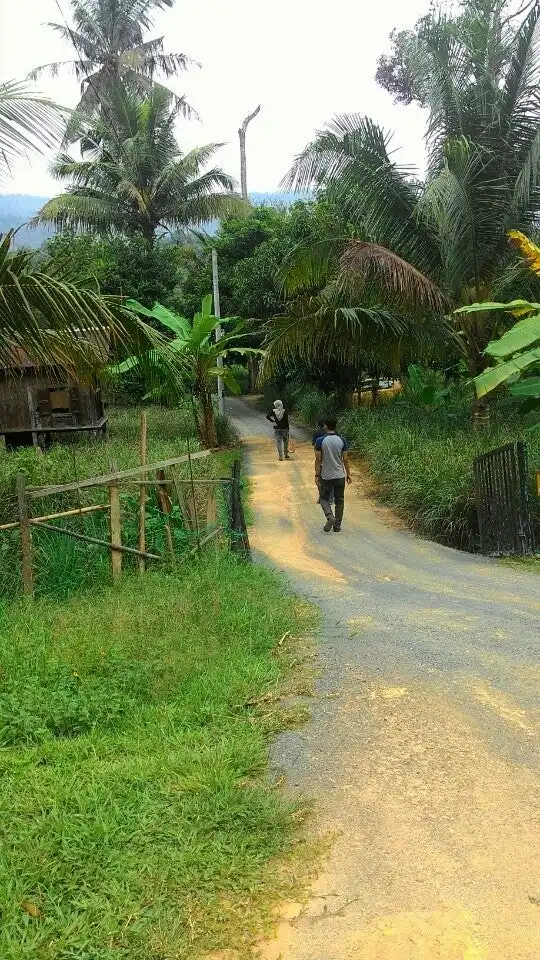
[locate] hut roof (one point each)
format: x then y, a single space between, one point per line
16 358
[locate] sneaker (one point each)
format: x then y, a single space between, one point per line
287 457
329 525
281 458
337 528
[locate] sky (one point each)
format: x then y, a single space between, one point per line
303 62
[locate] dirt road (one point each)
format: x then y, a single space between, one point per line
422 754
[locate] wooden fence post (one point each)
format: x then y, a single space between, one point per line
211 505
239 535
142 493
185 502
164 504
27 567
116 528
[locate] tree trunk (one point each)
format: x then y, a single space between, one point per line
481 412
375 391
243 164
342 396
207 423
253 367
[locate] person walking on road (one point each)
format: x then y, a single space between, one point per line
319 433
280 418
332 471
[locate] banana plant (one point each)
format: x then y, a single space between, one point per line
516 352
200 355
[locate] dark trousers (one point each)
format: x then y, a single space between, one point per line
336 487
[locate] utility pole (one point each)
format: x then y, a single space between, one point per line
217 313
243 166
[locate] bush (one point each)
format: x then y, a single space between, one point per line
314 405
422 461
227 434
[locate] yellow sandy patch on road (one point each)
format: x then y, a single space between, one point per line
440 935
505 708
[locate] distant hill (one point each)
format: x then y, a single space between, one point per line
17 209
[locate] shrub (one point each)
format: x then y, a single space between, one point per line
227 435
313 405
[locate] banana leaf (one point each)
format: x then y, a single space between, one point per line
509 307
521 335
530 387
494 376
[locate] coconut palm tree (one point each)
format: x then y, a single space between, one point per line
357 336
44 313
135 179
28 122
108 38
441 243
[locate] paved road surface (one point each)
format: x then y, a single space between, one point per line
422 754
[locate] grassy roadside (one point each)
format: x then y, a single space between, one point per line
64 565
530 564
421 462
137 817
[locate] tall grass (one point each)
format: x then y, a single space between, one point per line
422 462
63 565
137 817
169 431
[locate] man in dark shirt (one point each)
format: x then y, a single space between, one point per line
333 471
319 433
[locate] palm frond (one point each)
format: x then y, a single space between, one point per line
78 68
91 213
28 121
56 323
200 210
363 264
323 326
309 266
351 160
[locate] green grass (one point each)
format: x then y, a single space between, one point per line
63 565
138 821
422 463
529 564
168 434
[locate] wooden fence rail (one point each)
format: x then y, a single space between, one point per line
196 500
105 480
